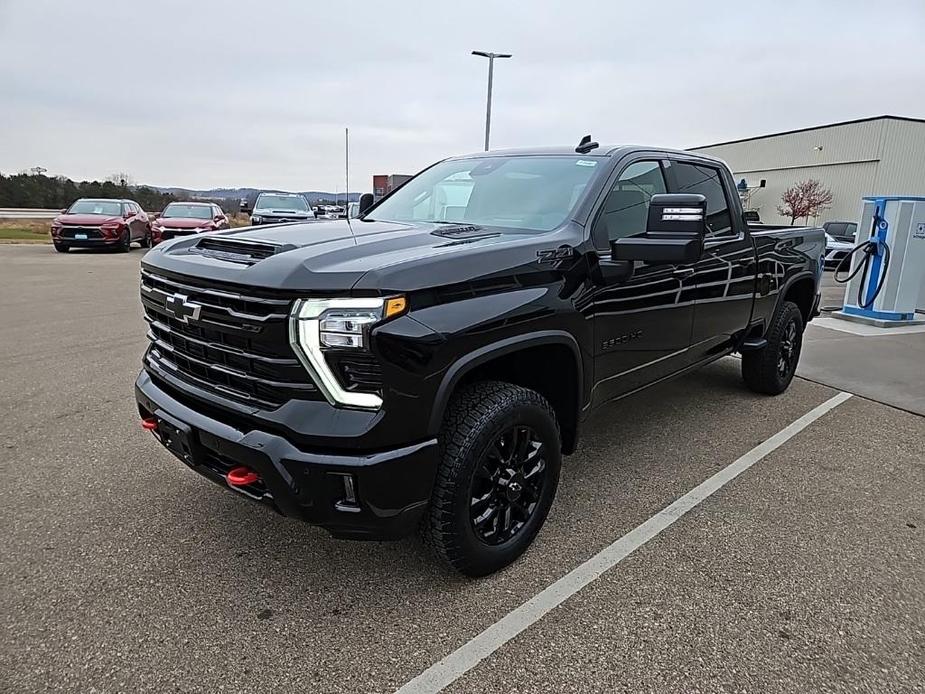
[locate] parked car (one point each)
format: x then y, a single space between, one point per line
406 371
185 218
101 222
280 208
840 238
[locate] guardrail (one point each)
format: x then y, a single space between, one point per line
27 213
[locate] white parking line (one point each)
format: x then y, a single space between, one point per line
467 656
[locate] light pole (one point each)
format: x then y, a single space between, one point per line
491 69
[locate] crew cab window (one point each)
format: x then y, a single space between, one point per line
626 207
705 181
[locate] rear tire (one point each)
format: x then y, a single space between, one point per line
497 477
770 370
61 247
146 239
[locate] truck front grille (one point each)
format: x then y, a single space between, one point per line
237 346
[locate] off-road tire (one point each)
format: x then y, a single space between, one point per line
760 369
475 417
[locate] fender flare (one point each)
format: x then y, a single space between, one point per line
493 350
802 275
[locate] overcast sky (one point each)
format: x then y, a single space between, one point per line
243 93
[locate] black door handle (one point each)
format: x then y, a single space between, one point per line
683 272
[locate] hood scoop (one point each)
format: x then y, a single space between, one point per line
238 250
463 232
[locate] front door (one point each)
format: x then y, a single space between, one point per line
725 274
642 326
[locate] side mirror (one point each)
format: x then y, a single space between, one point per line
366 201
157 215
64 211
218 217
675 231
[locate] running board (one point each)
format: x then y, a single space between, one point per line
753 344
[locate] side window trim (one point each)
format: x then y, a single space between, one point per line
601 242
735 230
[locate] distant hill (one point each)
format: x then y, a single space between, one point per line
312 196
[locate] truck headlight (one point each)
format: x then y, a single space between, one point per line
255 219
319 324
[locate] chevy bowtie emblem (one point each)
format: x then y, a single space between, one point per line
182 309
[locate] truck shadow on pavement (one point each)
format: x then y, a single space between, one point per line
636 456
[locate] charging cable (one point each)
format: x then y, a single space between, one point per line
871 249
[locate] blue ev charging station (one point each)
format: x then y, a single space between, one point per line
887 271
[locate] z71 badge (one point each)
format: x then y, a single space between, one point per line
554 254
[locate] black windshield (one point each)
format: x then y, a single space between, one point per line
536 193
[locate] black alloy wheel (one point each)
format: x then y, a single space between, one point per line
786 362
507 485
500 457
770 369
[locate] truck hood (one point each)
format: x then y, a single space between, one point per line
363 256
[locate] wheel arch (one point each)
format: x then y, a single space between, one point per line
801 290
514 360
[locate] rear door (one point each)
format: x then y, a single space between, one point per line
725 274
642 326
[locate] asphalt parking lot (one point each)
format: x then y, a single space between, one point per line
124 572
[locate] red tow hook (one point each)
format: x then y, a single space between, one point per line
241 476
149 423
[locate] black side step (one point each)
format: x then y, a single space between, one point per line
753 344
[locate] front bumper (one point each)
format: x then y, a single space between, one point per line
264 220
97 242
392 487
158 235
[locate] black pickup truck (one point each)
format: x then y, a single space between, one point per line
427 364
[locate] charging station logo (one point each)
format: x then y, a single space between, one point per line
919 232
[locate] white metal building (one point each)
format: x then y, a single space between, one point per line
884 155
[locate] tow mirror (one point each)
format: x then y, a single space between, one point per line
366 201
675 229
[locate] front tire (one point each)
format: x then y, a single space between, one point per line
770 370
497 477
61 247
125 242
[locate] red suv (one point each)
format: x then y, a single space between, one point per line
185 218
95 223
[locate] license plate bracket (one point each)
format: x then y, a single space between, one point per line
177 437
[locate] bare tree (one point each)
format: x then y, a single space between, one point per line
805 199
121 179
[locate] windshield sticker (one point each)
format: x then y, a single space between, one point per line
585 162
